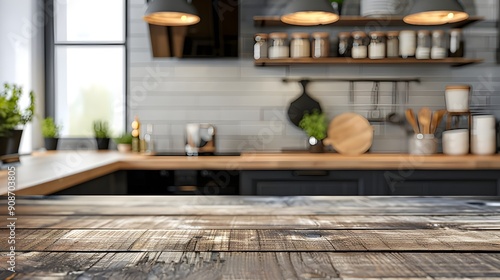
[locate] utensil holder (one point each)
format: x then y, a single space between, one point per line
423 144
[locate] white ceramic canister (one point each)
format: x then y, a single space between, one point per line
456 142
484 135
457 98
423 144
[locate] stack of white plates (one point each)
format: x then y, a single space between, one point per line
381 8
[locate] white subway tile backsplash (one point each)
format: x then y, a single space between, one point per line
248 104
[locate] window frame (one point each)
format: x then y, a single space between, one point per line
50 59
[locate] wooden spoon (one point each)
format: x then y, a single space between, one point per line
410 117
437 117
424 119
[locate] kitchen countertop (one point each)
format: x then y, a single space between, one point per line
49 172
204 237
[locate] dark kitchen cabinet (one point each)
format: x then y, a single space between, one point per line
310 182
441 183
182 182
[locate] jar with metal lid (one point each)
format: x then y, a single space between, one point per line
377 45
407 43
457 46
423 44
439 46
345 44
260 47
320 44
300 46
279 45
392 44
359 45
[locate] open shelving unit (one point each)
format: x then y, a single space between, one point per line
353 21
455 62
274 21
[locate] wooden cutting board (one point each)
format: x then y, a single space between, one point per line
350 134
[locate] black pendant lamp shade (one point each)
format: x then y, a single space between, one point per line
309 12
435 12
171 13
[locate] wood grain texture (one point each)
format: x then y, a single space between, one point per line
46 173
92 237
257 265
350 134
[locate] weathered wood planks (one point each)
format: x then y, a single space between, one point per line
255 238
258 265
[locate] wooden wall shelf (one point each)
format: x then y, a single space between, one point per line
343 60
270 21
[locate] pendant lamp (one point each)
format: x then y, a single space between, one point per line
435 12
171 13
309 12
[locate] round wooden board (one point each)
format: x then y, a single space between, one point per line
350 134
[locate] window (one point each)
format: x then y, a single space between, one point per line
89 65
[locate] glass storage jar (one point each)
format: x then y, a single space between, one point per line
439 46
260 47
392 44
377 49
300 46
320 44
359 45
457 46
407 43
279 45
423 44
345 44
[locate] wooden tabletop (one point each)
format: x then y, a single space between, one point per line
254 238
46 173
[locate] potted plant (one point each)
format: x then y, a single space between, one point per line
101 133
124 142
315 125
50 132
12 117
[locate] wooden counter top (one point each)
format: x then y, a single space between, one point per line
206 237
45 173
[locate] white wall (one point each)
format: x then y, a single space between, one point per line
21 56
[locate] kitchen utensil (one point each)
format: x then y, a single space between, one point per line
437 117
456 142
410 117
200 139
424 120
304 103
350 134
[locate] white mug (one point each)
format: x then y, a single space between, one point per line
456 142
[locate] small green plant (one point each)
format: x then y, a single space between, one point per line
11 114
125 138
101 129
314 124
49 128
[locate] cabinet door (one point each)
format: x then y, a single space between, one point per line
441 183
283 183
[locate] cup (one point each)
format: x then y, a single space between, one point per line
423 144
456 142
457 98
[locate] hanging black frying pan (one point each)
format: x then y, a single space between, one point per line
304 103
